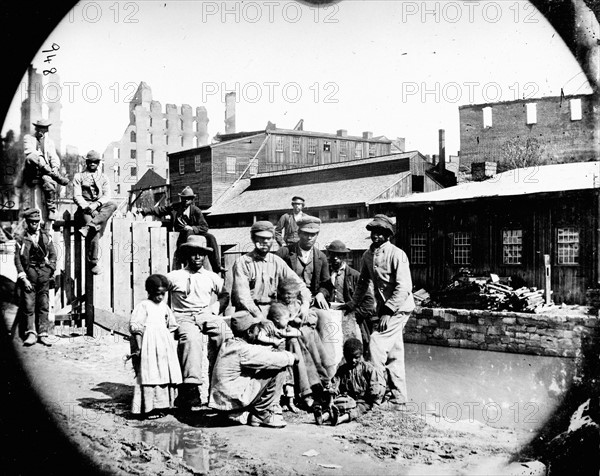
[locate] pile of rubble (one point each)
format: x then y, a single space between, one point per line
500 297
466 291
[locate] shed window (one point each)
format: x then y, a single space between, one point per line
230 163
312 146
372 149
567 246
487 117
418 248
343 148
295 150
462 247
358 150
181 166
253 167
197 162
512 246
279 144
575 105
531 109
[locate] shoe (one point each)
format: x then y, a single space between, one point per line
335 415
271 421
289 406
320 416
276 408
45 340
84 231
30 340
97 269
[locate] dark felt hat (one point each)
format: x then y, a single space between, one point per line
381 221
92 156
297 199
263 228
337 246
32 214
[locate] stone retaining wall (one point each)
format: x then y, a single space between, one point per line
523 333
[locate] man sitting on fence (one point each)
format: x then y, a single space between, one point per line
35 260
194 292
188 220
91 193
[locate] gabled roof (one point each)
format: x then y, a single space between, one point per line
357 191
149 180
524 181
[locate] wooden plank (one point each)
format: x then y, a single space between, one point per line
115 323
78 270
173 235
140 259
121 264
89 297
159 257
102 282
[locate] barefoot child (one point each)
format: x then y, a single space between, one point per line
356 387
155 356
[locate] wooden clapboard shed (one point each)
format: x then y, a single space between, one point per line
532 224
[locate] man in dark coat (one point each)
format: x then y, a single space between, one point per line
188 220
35 260
310 264
341 287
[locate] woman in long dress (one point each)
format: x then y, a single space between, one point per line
155 352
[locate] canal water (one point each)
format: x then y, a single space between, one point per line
496 388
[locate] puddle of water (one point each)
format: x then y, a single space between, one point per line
495 388
194 447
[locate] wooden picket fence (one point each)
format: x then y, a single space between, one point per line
130 250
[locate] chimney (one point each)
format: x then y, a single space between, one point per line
367 135
230 113
342 133
483 170
442 151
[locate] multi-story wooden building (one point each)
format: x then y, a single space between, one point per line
210 170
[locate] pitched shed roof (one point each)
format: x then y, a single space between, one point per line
352 233
149 180
339 192
524 181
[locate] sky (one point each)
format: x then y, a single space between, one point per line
399 69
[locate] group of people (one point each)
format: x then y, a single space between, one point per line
35 254
278 348
273 352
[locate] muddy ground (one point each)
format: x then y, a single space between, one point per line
87 389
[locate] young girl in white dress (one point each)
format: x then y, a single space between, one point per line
155 352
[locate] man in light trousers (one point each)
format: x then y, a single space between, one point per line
387 267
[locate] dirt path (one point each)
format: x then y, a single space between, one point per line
88 390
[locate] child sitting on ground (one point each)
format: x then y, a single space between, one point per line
154 352
274 332
356 387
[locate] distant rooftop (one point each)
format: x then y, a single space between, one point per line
524 181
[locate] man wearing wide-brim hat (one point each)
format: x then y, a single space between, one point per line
197 298
91 193
257 274
42 166
188 220
387 267
286 230
35 260
249 377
